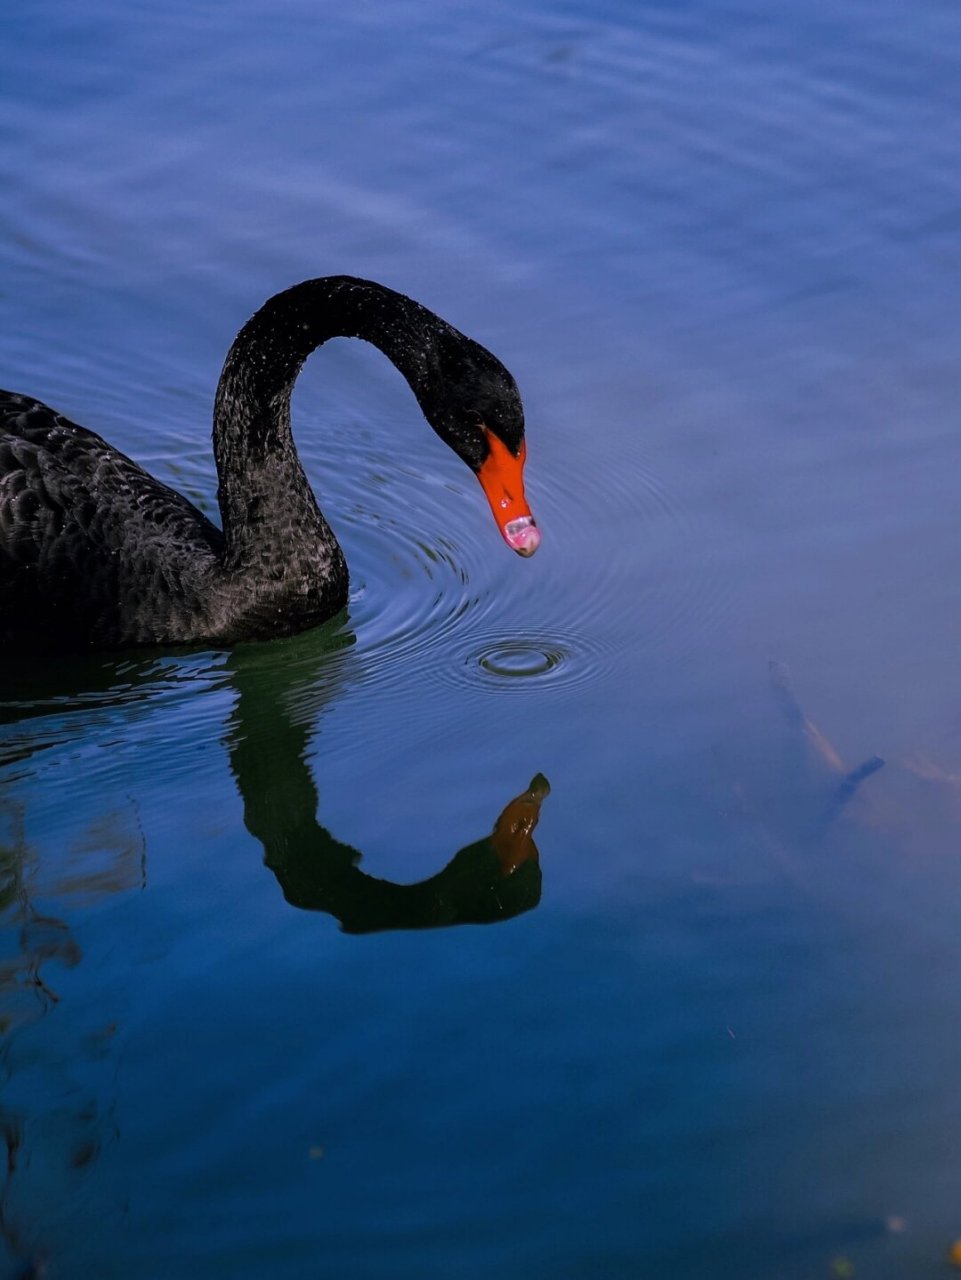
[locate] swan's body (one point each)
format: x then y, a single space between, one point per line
95 552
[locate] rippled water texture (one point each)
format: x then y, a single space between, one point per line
289 983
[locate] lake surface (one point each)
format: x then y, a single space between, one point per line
715 1030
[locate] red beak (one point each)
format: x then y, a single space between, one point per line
502 479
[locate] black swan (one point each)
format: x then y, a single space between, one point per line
94 552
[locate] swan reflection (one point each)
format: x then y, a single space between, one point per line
493 878
57 1108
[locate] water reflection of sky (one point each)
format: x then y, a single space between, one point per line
717 247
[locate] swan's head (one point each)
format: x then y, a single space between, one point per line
475 408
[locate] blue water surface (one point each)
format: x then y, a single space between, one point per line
715 1031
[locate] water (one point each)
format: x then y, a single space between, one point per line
714 1031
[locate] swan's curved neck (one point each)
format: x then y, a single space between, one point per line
265 500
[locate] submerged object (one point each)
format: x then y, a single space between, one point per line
95 552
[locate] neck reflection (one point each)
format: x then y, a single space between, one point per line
494 878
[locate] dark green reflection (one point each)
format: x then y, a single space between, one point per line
494 878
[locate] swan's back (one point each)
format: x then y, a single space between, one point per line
93 549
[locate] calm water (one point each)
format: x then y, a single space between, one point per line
716 1031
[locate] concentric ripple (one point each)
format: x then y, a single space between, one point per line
643 568
520 661
519 664
417 558
436 598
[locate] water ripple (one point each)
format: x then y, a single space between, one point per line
501 662
434 593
